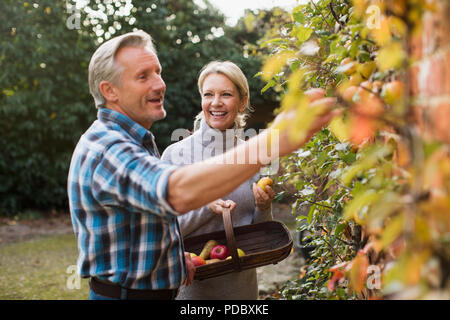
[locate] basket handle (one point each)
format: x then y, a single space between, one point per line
231 241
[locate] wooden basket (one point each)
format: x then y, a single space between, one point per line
263 243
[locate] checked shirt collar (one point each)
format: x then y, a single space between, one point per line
135 130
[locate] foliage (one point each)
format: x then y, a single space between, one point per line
45 48
43 98
379 220
314 172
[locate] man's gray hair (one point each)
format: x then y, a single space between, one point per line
103 66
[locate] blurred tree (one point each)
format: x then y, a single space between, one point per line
43 102
45 105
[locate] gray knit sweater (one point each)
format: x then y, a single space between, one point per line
202 144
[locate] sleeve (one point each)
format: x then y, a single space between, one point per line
127 175
262 215
194 219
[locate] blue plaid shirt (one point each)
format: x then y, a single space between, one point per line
127 232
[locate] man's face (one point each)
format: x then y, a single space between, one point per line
140 93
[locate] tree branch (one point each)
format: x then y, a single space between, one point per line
330 5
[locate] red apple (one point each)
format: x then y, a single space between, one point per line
219 252
198 261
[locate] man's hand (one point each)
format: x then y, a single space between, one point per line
218 205
263 199
190 269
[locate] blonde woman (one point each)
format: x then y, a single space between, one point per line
225 105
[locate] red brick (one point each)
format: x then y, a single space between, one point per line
446 72
414 81
415 48
419 118
441 122
432 77
436 26
444 24
430 27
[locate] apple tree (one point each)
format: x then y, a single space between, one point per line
371 195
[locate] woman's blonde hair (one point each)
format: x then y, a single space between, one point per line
235 74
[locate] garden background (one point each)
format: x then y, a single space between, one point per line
369 195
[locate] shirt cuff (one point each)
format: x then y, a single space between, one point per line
161 191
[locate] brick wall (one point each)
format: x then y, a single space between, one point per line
430 73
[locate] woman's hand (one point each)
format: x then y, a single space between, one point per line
263 200
190 269
219 205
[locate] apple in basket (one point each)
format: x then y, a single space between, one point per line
198 261
219 252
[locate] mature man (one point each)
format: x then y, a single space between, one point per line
124 200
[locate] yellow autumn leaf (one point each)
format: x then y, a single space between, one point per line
422 230
249 22
413 266
291 100
275 64
382 32
356 208
48 10
368 160
340 128
295 80
392 231
388 203
406 270
358 272
359 7
398 26
304 116
390 56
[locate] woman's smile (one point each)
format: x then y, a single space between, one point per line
218 114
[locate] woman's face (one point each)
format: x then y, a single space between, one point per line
221 102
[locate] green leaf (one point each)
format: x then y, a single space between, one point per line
303 33
358 206
276 41
339 229
8 92
367 161
297 14
311 214
269 85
